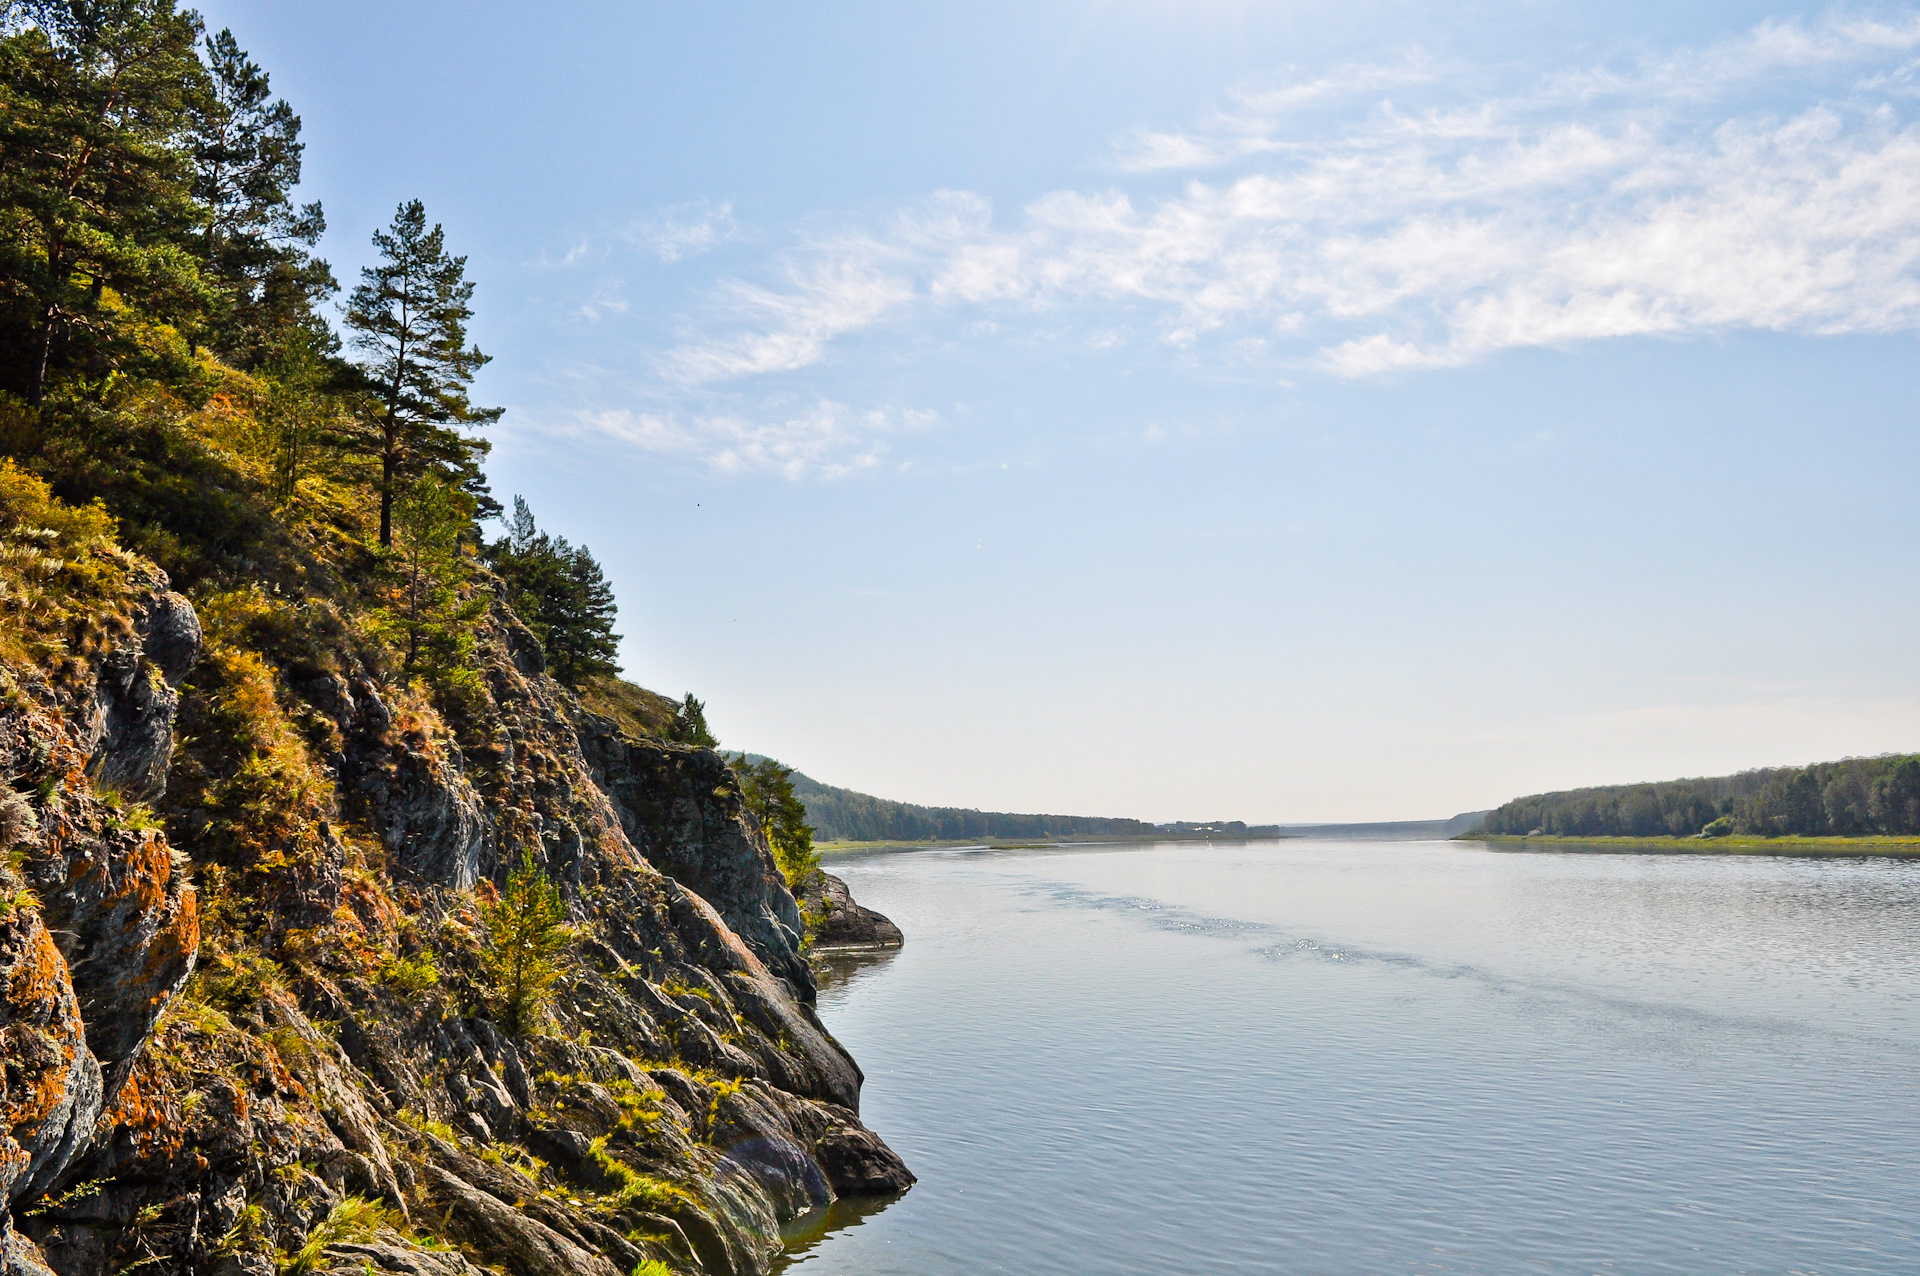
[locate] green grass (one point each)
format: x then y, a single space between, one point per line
1897 847
354 1219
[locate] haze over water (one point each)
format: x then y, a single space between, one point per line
1378 1057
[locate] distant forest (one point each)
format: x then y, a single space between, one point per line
841 815
1851 798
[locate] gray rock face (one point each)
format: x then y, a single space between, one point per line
130 734
51 1095
839 923
681 808
857 1163
508 1236
422 801
128 927
103 936
346 1259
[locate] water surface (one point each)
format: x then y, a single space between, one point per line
1385 1057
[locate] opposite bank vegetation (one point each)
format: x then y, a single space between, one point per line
355 916
1862 806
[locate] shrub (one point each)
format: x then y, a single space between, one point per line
410 975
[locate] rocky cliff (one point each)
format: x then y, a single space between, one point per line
243 1022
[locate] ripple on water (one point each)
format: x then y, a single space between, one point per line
1385 1058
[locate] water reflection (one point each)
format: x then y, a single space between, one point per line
840 967
803 1235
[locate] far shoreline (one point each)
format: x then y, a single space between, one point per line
1819 847
836 848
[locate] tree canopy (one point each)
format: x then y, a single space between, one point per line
97 105
767 788
689 725
247 152
1850 798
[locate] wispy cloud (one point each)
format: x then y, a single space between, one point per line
686 230
824 440
837 294
1761 182
1252 121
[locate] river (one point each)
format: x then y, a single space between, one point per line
1351 1057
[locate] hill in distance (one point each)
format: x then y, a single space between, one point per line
1854 797
843 815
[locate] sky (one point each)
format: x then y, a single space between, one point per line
1207 410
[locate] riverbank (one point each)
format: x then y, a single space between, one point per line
1887 847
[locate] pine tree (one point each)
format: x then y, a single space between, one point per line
307 423
527 934
409 316
96 97
581 625
689 725
432 613
247 150
561 595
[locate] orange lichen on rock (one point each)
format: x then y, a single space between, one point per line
144 1113
41 1036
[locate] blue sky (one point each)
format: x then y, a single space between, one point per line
1185 410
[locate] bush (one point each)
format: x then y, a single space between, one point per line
410 975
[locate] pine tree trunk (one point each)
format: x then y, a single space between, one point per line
386 499
37 391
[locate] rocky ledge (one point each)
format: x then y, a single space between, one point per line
838 924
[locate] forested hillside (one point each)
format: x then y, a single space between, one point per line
1855 797
842 815
354 916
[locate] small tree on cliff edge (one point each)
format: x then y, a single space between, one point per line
689 725
433 612
767 788
409 317
527 933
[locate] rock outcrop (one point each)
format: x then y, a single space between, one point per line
331 1090
842 925
681 808
100 926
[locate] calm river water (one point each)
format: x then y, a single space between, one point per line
1320 1057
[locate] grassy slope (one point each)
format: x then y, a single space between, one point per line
640 713
1900 847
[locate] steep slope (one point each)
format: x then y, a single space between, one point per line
246 1024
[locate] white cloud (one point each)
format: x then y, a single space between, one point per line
827 298
1416 233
